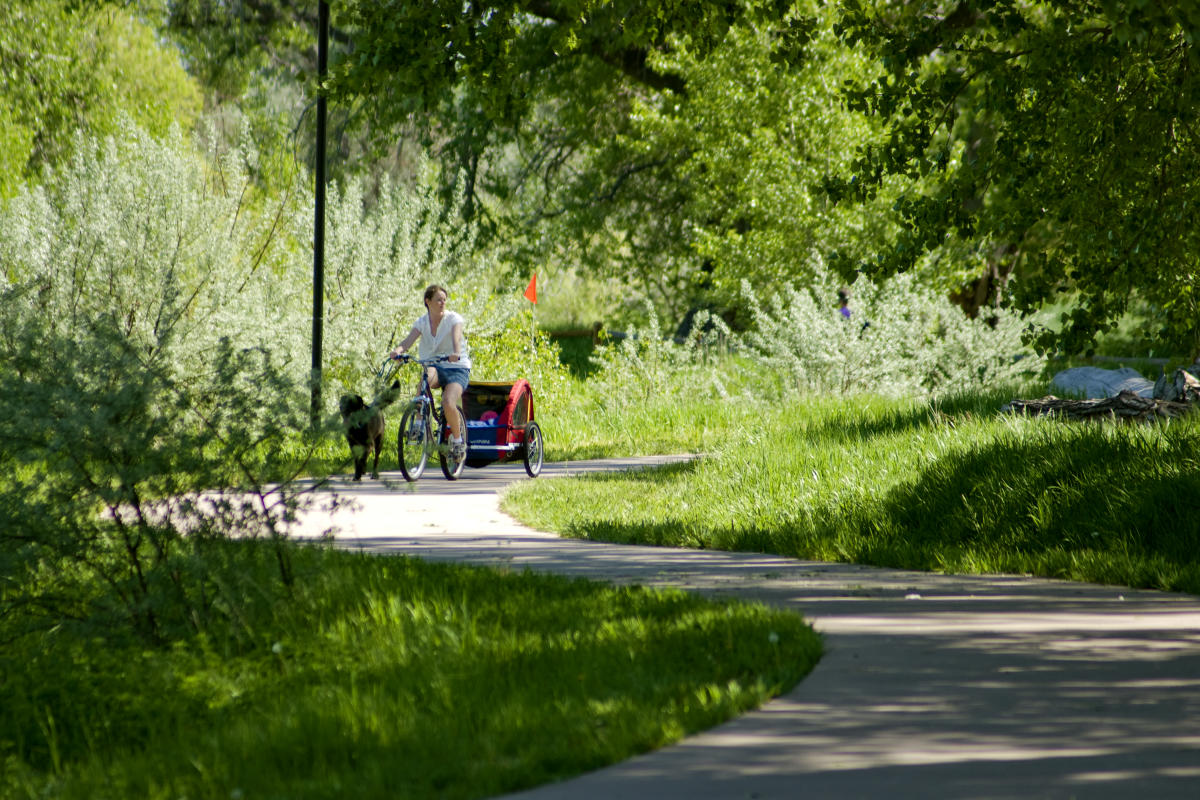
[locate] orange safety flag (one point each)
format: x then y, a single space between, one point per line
531 290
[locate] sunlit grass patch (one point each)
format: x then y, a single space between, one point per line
953 486
385 677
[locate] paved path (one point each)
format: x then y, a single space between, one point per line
932 686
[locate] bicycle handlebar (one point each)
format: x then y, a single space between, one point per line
405 358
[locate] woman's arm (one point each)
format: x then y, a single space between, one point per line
413 335
457 336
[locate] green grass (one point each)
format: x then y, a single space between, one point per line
593 429
587 424
955 487
380 678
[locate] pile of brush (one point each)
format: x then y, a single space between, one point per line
1174 396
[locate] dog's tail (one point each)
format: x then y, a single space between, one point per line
387 396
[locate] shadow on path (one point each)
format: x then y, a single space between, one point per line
932 685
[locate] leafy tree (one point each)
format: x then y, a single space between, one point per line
417 57
1058 141
471 77
256 62
228 46
70 67
695 192
679 147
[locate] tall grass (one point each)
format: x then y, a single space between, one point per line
949 486
645 394
380 678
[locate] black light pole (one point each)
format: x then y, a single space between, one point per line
319 221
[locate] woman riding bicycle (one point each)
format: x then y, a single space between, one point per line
441 334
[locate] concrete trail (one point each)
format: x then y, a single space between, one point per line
932 685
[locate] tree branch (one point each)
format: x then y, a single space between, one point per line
632 61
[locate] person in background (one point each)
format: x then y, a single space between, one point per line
844 302
844 308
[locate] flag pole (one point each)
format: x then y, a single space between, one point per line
531 296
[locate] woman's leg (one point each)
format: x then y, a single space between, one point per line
451 398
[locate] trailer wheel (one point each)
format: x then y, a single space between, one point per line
533 451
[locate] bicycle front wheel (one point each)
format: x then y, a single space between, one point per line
414 442
452 462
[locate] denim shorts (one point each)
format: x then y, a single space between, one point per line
452 373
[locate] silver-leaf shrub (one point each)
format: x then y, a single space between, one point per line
902 338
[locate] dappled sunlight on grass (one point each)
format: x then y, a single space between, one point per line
950 487
382 676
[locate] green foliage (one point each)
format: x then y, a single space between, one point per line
16 142
115 462
576 299
257 64
646 393
149 82
126 404
643 366
231 46
67 68
413 58
746 149
674 147
682 193
381 257
469 79
944 486
154 345
902 339
158 236
171 248
382 676
1059 136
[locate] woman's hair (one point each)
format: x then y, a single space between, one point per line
433 289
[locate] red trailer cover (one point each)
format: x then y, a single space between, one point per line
497 413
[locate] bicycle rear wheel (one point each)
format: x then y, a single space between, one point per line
414 441
452 465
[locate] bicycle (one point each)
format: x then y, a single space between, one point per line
415 440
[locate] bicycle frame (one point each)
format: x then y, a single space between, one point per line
431 433
424 395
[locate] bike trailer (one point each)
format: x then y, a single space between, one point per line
500 424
